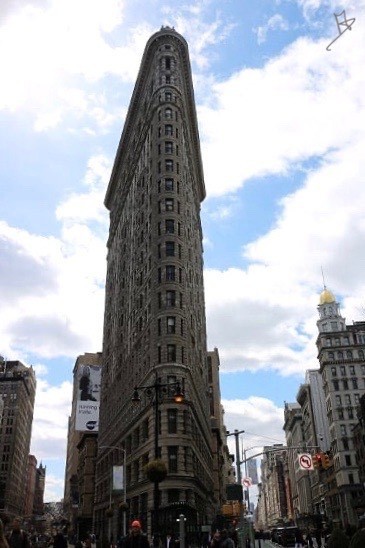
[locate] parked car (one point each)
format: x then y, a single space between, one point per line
284 536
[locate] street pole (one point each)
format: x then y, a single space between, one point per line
124 486
155 391
182 530
236 434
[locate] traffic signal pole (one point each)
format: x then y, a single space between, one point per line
236 434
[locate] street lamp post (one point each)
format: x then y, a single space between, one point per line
124 485
156 392
236 434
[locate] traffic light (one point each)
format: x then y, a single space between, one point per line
326 461
317 461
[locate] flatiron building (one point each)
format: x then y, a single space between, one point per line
155 326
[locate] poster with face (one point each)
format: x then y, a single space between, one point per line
88 400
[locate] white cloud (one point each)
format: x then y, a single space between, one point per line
200 34
58 52
302 104
55 287
276 22
49 435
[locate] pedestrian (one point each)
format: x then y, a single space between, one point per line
17 538
136 539
310 540
215 540
3 541
226 541
170 541
59 540
299 541
318 536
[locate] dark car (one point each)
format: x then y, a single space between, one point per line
285 536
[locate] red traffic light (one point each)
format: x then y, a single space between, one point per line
317 460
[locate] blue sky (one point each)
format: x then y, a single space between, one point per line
281 124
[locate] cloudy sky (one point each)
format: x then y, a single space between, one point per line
282 127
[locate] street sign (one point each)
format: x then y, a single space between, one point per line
305 461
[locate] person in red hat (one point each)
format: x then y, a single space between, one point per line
136 539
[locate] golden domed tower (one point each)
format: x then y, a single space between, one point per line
330 318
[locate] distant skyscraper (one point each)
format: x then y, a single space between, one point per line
40 481
17 391
154 326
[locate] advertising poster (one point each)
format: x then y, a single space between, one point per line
118 478
88 399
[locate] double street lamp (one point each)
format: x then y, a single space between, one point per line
156 392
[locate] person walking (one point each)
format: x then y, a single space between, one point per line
299 541
59 540
226 541
3 541
136 539
18 538
216 540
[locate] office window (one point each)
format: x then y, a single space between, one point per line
340 355
172 458
331 355
352 370
349 354
343 370
168 113
170 249
173 495
169 148
170 298
354 384
338 400
169 165
169 204
172 421
170 273
159 327
169 226
171 352
336 385
168 63
168 129
171 325
343 429
168 96
333 371
347 399
169 184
